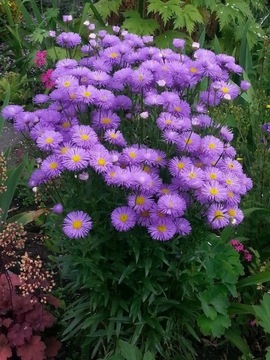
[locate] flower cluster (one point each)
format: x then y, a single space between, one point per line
3 173
40 58
138 116
239 247
46 79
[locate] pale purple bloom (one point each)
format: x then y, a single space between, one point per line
183 226
68 39
179 43
115 137
244 85
52 166
77 224
84 136
217 216
172 205
123 218
140 202
163 230
10 111
84 176
67 18
49 140
75 159
57 208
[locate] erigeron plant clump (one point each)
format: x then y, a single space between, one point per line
137 116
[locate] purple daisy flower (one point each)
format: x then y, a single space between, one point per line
173 205
75 159
211 191
52 166
41 99
10 111
49 140
68 39
77 224
100 160
183 226
177 165
37 177
86 94
211 146
192 177
123 218
189 141
115 137
217 217
84 136
235 214
162 230
140 202
57 208
105 119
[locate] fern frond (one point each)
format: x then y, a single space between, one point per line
106 7
165 9
135 24
187 18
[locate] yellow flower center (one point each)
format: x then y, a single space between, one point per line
72 96
232 212
230 165
76 158
140 200
225 90
66 124
87 94
188 141
113 136
212 146
64 150
140 77
106 120
112 174
101 162
49 140
230 194
165 191
193 70
162 228
84 137
53 165
146 169
123 217
192 175
180 165
168 122
77 224
132 154
229 182
213 191
177 108
66 84
114 55
212 176
219 214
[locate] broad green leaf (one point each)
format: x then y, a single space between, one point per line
135 24
262 313
215 327
250 211
234 337
26 217
128 351
7 196
254 280
240 309
148 356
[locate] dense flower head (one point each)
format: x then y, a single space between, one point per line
137 116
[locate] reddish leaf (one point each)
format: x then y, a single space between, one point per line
34 350
5 349
52 347
39 318
7 322
18 334
52 301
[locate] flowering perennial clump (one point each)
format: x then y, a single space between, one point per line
138 116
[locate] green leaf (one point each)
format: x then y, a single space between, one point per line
234 337
240 309
215 327
148 356
26 217
127 351
250 211
165 9
7 196
165 39
135 24
254 280
263 313
103 8
187 17
245 56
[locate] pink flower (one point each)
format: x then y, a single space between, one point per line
40 59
